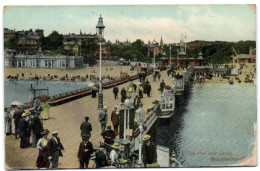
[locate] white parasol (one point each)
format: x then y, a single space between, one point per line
16 103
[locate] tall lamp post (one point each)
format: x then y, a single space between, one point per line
100 28
170 55
140 115
128 104
154 48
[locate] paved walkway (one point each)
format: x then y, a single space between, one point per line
66 119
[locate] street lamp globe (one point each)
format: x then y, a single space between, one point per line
140 114
129 102
100 26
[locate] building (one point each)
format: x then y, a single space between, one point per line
154 47
75 42
13 60
182 59
29 41
245 58
9 34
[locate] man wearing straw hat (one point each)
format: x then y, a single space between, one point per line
24 130
149 151
114 154
103 119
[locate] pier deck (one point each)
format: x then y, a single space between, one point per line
66 119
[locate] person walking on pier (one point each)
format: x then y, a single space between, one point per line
140 91
94 92
24 130
8 122
109 136
162 84
123 95
115 120
149 88
37 128
17 116
86 128
149 151
159 76
85 149
134 87
42 145
103 119
115 91
137 101
55 147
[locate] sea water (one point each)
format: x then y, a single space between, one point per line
19 91
214 125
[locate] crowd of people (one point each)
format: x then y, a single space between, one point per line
29 128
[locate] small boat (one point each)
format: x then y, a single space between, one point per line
230 81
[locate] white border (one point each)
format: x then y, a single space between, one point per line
103 2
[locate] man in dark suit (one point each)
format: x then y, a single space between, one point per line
123 95
54 150
86 128
85 149
115 120
24 130
36 127
149 151
17 116
101 157
115 91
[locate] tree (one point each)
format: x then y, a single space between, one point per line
53 41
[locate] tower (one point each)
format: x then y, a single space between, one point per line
161 43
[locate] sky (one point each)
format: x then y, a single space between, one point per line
146 22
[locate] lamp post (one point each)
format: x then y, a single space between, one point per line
140 115
128 104
100 28
170 55
154 59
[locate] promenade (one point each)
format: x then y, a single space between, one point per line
66 119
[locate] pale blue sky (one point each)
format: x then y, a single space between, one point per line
200 22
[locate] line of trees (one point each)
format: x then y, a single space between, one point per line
213 52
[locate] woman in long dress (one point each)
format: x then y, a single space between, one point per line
45 110
8 123
42 160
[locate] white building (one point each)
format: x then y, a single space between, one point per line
42 61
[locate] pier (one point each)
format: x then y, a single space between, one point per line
67 118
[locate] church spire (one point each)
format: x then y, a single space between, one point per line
161 42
